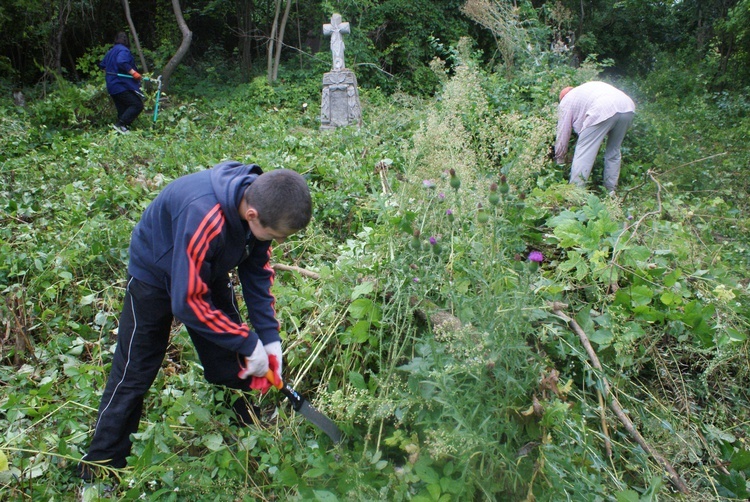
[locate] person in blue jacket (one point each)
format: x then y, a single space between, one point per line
125 91
197 230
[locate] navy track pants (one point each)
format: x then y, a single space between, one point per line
142 340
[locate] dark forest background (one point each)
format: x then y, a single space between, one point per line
392 41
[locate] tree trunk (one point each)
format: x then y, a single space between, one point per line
126 7
53 51
272 41
187 37
280 39
245 26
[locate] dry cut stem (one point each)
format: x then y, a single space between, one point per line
615 405
300 270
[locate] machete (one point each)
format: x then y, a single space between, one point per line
302 406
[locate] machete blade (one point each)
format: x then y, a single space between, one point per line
321 421
301 405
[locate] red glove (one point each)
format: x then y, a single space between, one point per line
136 75
262 383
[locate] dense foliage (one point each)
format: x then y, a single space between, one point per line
451 257
392 45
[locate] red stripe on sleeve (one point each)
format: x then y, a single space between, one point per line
216 320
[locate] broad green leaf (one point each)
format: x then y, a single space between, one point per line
627 496
641 295
574 261
357 380
570 233
361 331
426 473
213 442
3 461
363 289
639 253
88 299
740 460
736 336
669 298
316 472
583 318
201 413
360 308
288 476
434 490
324 496
633 331
561 218
602 337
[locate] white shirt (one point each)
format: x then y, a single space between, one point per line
587 105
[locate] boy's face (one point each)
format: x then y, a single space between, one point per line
267 233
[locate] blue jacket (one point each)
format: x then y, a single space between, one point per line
190 237
119 59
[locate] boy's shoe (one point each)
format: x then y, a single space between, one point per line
120 128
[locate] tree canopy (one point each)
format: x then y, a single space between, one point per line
392 41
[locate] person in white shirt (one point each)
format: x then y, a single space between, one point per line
593 111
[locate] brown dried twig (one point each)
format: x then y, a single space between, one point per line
614 404
299 270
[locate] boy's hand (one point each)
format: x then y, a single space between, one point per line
274 349
263 384
255 364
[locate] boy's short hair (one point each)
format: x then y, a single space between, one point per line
122 38
282 199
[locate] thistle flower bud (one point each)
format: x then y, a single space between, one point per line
449 214
435 245
494 198
416 244
482 216
454 181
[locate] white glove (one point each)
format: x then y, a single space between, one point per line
274 349
255 364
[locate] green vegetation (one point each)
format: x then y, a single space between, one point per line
433 334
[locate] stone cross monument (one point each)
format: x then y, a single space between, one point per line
340 103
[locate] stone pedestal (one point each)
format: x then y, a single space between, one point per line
340 103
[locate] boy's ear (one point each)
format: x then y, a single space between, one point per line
251 213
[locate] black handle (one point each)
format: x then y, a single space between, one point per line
292 395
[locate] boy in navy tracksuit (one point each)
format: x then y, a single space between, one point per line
198 229
124 91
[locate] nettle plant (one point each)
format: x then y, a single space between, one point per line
644 274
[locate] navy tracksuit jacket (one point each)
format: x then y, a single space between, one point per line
181 252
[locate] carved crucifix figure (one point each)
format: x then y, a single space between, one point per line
335 30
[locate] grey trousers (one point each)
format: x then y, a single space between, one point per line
587 147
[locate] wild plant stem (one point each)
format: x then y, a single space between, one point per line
615 405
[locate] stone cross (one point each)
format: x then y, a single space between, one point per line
335 30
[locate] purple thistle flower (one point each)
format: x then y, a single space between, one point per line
536 256
428 184
448 212
416 279
433 241
441 196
